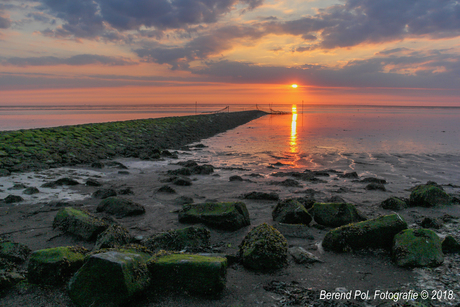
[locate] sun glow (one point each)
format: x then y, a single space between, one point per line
294 85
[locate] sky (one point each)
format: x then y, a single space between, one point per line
390 52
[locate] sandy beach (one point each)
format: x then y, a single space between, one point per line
30 222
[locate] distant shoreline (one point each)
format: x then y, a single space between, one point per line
42 148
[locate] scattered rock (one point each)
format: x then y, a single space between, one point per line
18 186
417 248
375 233
182 181
109 279
351 175
115 164
126 191
204 169
261 196
429 222
185 171
235 178
9 278
66 181
335 214
10 199
227 216
120 207
14 252
287 183
301 256
30 191
264 248
4 172
190 239
114 236
189 163
104 193
428 195
93 183
183 200
54 266
374 186
123 172
335 199
166 189
79 223
192 274
97 165
450 245
290 211
394 203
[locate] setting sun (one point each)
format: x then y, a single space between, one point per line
294 85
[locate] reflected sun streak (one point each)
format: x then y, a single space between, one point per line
293 142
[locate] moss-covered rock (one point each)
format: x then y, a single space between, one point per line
193 274
113 236
264 248
79 223
450 245
190 239
394 203
290 211
429 195
226 216
120 207
335 214
109 279
12 251
375 233
53 266
417 248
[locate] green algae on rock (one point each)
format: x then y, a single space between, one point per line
375 233
263 249
290 211
12 251
335 214
417 248
429 195
109 279
394 203
226 215
191 239
35 149
79 223
113 236
53 266
120 207
194 274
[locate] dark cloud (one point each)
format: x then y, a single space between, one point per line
5 22
199 48
370 21
397 69
41 17
77 60
89 18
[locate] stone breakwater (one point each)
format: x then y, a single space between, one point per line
42 148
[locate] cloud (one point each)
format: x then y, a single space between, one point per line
5 21
199 48
77 60
402 68
369 21
89 18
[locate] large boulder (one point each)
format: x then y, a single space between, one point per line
79 223
113 236
429 195
394 203
191 239
226 216
120 207
290 211
375 233
335 214
417 248
53 266
264 248
194 274
112 278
